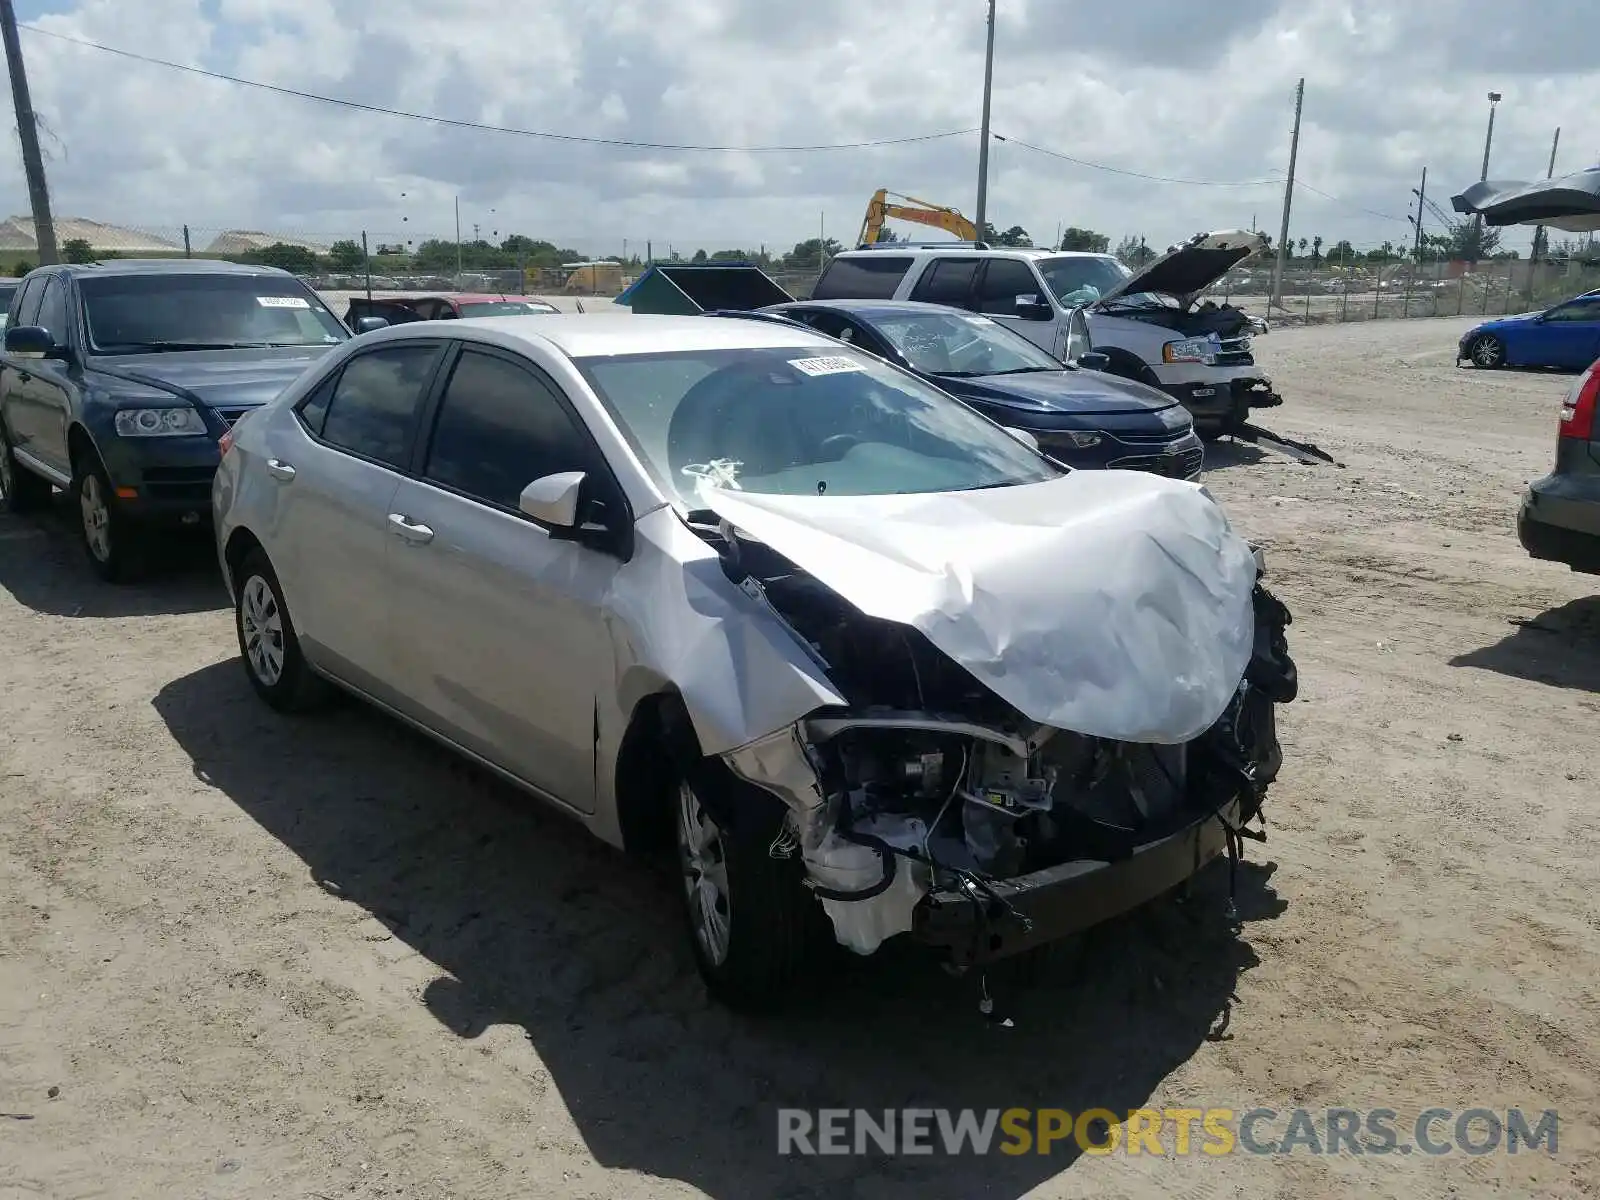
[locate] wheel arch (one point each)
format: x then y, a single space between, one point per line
1129 365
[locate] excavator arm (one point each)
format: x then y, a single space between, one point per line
879 210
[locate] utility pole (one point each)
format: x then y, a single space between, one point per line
1422 199
983 134
1538 230
1288 197
458 241
187 252
44 228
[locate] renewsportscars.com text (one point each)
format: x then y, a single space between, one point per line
1160 1131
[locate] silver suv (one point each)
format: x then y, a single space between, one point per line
865 661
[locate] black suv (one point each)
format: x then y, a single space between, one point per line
1560 517
119 379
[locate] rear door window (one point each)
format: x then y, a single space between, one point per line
1003 281
373 410
866 277
947 281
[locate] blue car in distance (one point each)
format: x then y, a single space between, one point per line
1566 336
1083 418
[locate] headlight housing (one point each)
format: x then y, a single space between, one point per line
1191 350
1081 439
159 422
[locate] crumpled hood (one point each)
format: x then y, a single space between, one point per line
1113 603
1062 391
221 378
1185 271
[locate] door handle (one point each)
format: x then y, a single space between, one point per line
404 527
281 471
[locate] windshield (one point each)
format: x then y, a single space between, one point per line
127 314
499 308
796 421
961 344
1081 280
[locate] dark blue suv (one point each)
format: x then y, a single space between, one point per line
120 379
1080 417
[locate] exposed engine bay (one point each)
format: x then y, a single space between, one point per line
1224 320
929 780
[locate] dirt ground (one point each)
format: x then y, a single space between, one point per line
275 958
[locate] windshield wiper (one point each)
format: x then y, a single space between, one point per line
1024 370
110 347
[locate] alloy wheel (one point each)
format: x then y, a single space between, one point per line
1486 352
96 518
261 626
703 858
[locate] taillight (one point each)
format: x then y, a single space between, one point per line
1578 409
225 442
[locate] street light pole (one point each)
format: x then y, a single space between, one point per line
1488 140
983 135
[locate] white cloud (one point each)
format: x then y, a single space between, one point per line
1164 87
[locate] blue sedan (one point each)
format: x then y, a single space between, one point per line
1081 417
1567 336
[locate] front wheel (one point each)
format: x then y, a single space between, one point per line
755 929
1487 351
112 541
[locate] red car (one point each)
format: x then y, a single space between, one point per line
399 310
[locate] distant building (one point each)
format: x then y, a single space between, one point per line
17 237
242 241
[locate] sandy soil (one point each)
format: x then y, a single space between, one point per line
315 958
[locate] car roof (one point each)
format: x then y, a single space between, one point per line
963 250
593 335
168 266
869 308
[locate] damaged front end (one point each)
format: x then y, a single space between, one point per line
931 806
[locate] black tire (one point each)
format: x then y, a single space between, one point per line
113 542
21 491
1487 352
776 931
294 687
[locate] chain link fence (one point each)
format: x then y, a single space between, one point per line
1345 285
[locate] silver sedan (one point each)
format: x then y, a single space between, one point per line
868 664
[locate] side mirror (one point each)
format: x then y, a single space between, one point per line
1094 360
1026 438
29 341
370 324
1031 308
553 499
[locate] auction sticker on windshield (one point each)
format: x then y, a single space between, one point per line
282 302
834 365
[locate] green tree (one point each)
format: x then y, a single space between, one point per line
1466 241
295 259
1073 238
346 256
1341 251
77 250
807 255
1015 236
22 267
1316 251
1133 251
700 256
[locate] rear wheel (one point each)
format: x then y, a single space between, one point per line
754 927
1487 351
21 491
273 660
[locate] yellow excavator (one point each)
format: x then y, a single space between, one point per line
879 210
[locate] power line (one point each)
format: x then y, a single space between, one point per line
1371 212
482 127
1083 162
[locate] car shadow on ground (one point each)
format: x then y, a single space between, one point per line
42 564
1225 453
1560 646
532 922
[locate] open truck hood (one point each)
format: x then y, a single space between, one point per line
1112 603
1187 270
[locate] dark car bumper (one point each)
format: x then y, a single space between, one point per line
1560 521
1066 898
162 480
1215 407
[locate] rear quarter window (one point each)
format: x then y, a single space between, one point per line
870 277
